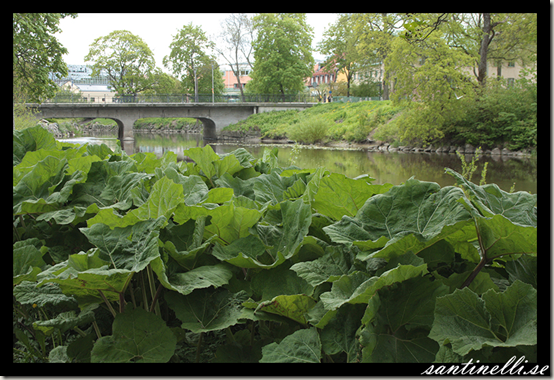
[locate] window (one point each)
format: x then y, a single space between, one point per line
511 64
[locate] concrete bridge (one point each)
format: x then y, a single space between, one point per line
214 116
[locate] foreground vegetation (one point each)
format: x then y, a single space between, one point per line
121 258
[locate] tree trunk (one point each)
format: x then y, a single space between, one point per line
482 66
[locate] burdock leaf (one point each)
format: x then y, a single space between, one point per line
506 319
138 337
302 346
207 309
348 195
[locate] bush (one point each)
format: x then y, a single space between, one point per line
309 130
502 115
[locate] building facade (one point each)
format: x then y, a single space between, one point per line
230 80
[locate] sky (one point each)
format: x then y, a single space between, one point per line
156 29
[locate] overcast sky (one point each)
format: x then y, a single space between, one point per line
156 29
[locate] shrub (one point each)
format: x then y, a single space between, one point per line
310 130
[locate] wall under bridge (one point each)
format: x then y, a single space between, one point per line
214 116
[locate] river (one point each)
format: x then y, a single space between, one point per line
388 167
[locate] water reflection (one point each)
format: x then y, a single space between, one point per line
393 168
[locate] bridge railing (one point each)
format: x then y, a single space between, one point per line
190 98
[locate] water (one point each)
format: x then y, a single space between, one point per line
393 168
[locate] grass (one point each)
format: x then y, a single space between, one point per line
330 121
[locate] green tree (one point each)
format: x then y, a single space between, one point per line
376 32
127 60
340 45
189 56
430 75
36 54
163 83
282 53
485 37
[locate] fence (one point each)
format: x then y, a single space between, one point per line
190 98
352 99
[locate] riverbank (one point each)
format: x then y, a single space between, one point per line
366 124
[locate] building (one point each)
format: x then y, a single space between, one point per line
79 80
230 80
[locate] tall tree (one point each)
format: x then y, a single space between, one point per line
36 54
236 48
189 53
485 37
431 76
127 60
282 53
339 44
376 33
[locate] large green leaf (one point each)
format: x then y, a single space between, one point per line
409 216
490 200
27 260
339 335
347 195
184 242
197 278
137 337
40 182
397 322
164 198
302 346
66 320
27 293
295 218
246 252
131 248
499 236
358 287
204 158
293 306
207 309
335 263
230 222
468 322
31 139
83 275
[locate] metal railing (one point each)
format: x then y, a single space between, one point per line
352 99
190 98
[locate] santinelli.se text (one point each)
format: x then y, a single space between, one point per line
512 367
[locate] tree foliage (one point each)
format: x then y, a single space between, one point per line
282 53
127 60
190 60
36 54
340 45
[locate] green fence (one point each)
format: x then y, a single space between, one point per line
190 98
352 99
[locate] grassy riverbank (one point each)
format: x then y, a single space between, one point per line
322 123
500 118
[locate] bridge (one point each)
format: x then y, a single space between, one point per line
214 116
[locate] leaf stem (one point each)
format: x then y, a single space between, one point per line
96 329
107 303
158 291
475 272
198 347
